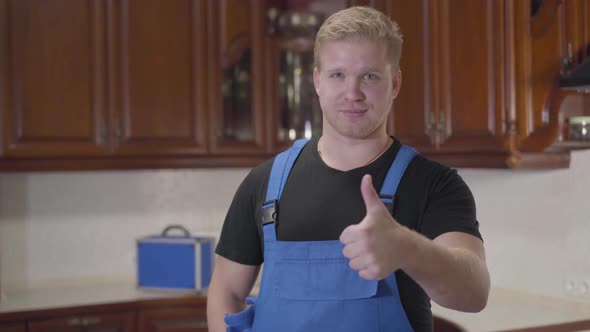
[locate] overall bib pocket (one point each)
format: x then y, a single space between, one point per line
321 295
330 279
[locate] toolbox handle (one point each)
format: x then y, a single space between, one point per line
184 231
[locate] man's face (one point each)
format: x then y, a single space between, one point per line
356 87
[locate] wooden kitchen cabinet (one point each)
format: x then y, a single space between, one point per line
103 322
165 314
13 327
52 78
236 77
103 78
452 95
179 319
103 84
158 76
478 88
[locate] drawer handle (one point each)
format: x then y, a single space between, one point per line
73 321
90 321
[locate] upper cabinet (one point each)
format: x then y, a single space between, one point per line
451 105
479 85
157 79
53 73
102 84
84 82
236 77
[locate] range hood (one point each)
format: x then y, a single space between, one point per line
577 78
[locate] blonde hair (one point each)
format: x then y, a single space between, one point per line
360 24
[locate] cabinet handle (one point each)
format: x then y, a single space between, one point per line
118 135
103 135
431 128
429 123
568 60
90 321
75 321
441 125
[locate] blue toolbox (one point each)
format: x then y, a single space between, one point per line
178 262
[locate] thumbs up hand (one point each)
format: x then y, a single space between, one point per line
376 245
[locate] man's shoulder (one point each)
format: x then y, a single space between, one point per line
260 173
430 173
423 164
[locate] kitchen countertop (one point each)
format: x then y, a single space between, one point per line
506 310
72 296
511 309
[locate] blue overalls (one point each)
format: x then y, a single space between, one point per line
308 285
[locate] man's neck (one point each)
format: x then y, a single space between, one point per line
345 154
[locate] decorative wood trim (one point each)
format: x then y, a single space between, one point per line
259 27
200 35
236 49
196 301
113 66
121 124
545 17
99 72
434 71
504 160
510 93
120 163
5 66
213 54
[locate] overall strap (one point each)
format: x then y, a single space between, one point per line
281 167
403 158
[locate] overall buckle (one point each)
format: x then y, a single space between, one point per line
270 212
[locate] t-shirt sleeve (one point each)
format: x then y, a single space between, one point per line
240 239
450 207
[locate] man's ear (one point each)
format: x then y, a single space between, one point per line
316 80
397 83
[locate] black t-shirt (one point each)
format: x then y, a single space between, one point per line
319 202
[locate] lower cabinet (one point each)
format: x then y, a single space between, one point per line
183 319
170 314
13 327
103 322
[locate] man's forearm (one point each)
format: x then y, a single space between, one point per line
219 302
455 278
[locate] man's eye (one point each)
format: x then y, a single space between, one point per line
370 77
337 75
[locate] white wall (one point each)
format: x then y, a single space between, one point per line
536 225
79 227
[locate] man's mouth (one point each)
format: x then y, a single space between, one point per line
353 112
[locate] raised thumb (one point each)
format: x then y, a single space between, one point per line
370 196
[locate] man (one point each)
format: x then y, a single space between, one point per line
338 255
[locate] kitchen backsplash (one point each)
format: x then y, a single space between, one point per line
80 227
77 227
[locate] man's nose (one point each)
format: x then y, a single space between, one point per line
353 90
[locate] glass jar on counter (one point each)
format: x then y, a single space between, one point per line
579 128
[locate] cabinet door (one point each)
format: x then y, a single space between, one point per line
469 97
52 78
412 118
13 328
180 319
539 48
157 54
68 324
106 322
114 322
236 78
